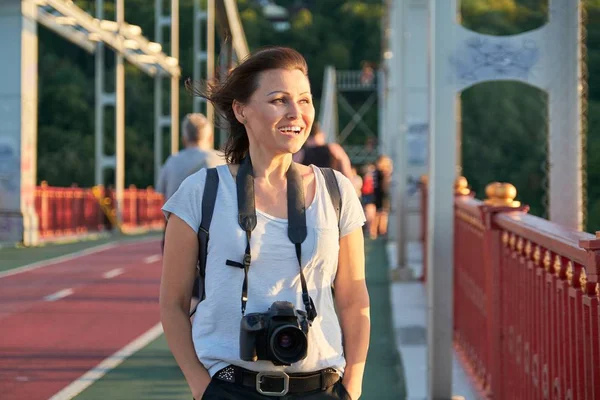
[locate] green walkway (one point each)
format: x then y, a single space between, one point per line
152 374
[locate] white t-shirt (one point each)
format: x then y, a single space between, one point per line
274 272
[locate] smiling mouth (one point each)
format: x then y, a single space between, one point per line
291 130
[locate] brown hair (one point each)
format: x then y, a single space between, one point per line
239 85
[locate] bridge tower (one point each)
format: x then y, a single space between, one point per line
18 96
548 58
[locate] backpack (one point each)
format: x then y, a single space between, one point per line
208 205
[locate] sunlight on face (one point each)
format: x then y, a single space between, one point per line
280 112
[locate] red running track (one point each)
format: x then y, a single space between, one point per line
46 345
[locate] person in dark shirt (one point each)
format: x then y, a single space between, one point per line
318 152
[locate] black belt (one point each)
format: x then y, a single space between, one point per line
278 383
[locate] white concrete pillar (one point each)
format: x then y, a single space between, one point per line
565 156
18 122
440 230
395 139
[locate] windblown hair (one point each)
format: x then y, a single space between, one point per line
239 85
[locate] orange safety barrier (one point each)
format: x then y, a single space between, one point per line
69 211
526 294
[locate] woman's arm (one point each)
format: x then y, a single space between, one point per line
352 303
179 270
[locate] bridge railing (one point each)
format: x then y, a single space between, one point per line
526 293
64 212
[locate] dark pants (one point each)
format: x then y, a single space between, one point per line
221 390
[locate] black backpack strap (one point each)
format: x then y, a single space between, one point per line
334 191
208 206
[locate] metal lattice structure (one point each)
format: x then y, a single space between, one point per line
18 87
335 84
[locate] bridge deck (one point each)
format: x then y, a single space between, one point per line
409 302
72 328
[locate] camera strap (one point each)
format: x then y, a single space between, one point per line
297 230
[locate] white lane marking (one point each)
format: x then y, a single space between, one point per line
59 295
108 364
151 259
112 273
56 260
68 257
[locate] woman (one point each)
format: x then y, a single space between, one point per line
267 104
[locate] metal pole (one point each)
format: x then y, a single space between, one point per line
120 120
210 57
397 130
158 98
197 70
175 79
440 230
99 103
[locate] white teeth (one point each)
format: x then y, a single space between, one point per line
295 129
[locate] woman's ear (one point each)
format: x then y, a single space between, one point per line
238 110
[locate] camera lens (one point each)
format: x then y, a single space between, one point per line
285 341
289 344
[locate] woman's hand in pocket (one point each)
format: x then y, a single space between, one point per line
352 392
198 389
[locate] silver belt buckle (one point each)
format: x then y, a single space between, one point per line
273 374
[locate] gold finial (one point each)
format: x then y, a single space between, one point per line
583 280
557 266
501 194
461 186
424 179
547 260
537 255
570 272
528 249
512 241
520 245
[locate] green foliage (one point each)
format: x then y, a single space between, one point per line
504 124
330 32
512 150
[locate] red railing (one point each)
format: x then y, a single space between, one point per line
526 293
72 211
142 208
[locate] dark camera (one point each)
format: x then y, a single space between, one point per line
279 335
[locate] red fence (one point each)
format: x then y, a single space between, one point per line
142 208
71 211
526 293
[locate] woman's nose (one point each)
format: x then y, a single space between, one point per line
293 111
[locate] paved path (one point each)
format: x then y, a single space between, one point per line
80 321
152 373
61 320
409 304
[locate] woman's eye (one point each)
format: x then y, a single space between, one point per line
305 101
278 101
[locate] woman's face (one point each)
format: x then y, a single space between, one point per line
280 113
